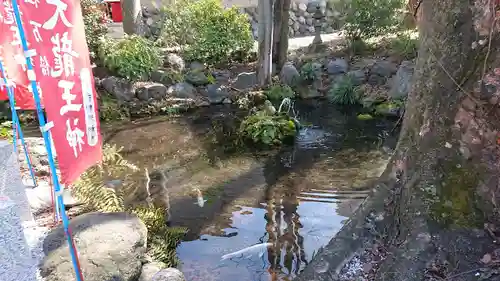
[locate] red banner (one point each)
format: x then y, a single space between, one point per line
56 39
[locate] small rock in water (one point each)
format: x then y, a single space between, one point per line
169 274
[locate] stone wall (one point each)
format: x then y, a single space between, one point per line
301 22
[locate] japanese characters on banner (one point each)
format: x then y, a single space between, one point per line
54 28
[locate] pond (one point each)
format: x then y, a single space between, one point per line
263 216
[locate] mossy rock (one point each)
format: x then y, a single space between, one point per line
389 108
364 117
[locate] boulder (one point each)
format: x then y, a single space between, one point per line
337 66
196 66
384 68
40 197
197 78
151 90
161 76
289 74
156 271
245 80
175 62
111 246
401 82
358 77
182 90
216 93
121 89
168 274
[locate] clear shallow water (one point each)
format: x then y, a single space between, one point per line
296 199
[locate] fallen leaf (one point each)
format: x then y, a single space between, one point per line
486 259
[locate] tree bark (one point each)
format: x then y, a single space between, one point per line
264 70
441 188
132 16
280 38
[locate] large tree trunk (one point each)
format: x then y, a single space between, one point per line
442 185
264 72
280 38
132 16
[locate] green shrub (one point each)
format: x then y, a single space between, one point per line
111 110
94 20
6 132
405 45
266 130
368 18
345 92
207 31
132 57
310 71
279 92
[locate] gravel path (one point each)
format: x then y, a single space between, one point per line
20 237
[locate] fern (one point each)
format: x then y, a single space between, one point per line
94 189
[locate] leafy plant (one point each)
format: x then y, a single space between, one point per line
267 130
345 92
94 189
368 18
111 110
310 71
94 20
132 57
6 130
207 31
279 92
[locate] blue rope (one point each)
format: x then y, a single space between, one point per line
46 138
16 124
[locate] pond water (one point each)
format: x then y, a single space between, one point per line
285 205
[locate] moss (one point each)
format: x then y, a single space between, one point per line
454 202
364 117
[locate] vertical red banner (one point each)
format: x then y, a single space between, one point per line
56 41
13 59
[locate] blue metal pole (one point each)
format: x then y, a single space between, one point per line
46 138
16 127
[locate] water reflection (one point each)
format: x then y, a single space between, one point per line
300 211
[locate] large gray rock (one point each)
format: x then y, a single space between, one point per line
216 93
161 76
384 68
337 66
182 90
358 76
111 246
197 78
121 89
150 90
157 272
40 197
149 270
289 74
168 274
401 82
245 80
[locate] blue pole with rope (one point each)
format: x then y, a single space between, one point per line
16 127
45 127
